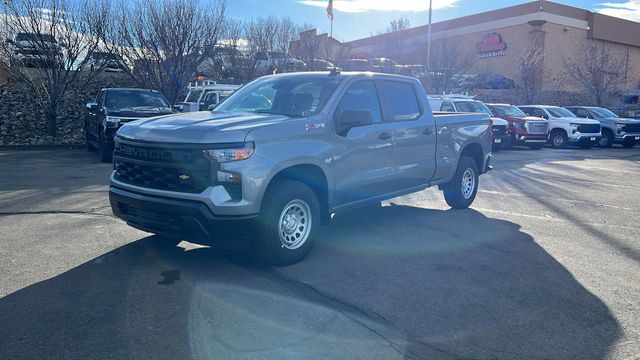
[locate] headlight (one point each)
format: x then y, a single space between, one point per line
231 154
112 121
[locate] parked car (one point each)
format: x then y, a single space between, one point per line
524 130
222 61
354 65
274 161
564 127
205 95
106 61
466 104
383 65
319 65
35 50
269 61
116 107
614 129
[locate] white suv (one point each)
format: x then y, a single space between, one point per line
565 128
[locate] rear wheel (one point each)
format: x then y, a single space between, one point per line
290 223
462 190
607 139
559 139
629 143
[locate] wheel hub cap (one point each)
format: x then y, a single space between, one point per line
468 183
294 226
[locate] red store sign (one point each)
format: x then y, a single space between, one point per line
491 45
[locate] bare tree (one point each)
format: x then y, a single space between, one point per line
449 63
398 24
46 43
166 40
594 69
530 70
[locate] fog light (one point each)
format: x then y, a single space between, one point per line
229 177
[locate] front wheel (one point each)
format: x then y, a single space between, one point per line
104 150
290 222
462 190
607 139
559 139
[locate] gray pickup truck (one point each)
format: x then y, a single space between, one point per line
274 161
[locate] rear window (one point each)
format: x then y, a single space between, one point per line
402 100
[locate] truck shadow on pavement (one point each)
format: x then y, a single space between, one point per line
385 283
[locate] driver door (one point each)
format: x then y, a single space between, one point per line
364 161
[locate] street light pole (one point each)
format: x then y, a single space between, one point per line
429 36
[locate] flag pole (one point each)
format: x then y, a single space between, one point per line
429 37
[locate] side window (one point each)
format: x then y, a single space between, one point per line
361 96
402 101
582 113
447 106
539 113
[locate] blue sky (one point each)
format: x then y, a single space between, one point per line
355 19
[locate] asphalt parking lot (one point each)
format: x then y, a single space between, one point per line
546 265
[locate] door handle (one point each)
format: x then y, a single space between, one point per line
384 136
427 131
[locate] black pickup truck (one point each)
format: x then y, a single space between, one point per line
115 107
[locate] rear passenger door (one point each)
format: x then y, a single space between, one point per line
414 132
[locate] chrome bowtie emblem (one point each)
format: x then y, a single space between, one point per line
184 177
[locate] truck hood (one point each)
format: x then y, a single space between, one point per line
621 120
578 120
204 127
523 119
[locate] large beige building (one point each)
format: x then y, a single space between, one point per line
499 42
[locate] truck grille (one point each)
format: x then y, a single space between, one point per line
537 127
589 128
498 130
162 168
631 128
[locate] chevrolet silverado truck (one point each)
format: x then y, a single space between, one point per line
524 130
614 129
283 154
564 127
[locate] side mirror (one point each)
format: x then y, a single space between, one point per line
92 106
353 118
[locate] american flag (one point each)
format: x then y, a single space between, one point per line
330 10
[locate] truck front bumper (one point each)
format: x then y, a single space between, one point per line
584 139
531 138
185 219
627 137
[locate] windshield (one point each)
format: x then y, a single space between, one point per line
193 95
560 112
134 99
508 111
604 113
473 107
300 96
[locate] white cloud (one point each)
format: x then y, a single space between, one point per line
629 10
356 6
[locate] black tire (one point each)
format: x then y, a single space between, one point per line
87 139
453 192
559 139
536 146
607 139
629 143
281 246
104 150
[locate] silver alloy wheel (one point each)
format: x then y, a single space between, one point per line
468 183
558 140
604 139
295 224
